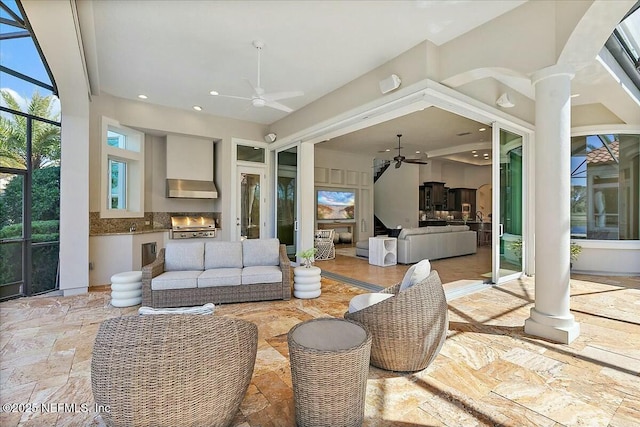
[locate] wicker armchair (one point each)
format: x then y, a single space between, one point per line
409 329
172 370
323 242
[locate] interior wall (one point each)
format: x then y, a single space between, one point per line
351 171
396 197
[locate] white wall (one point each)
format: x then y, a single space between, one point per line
396 196
160 121
348 170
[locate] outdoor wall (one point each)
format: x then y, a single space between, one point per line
159 121
608 257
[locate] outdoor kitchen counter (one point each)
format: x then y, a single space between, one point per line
129 233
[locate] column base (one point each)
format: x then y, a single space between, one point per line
561 329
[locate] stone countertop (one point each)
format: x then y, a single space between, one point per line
131 233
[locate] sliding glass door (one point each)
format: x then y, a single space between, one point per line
509 243
286 198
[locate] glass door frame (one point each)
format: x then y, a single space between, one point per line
296 223
259 170
497 229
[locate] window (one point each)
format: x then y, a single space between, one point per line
122 172
605 187
250 154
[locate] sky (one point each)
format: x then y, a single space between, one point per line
21 55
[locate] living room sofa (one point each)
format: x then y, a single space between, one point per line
187 273
415 244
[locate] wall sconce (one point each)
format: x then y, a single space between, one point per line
270 137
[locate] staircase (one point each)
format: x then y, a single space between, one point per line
378 227
379 169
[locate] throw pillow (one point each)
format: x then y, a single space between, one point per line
415 274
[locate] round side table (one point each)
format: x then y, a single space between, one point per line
329 369
126 289
306 282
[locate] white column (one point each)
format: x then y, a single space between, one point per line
306 196
550 317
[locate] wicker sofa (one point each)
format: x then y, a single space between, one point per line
194 273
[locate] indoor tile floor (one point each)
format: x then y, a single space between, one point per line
487 373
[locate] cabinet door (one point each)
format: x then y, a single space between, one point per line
451 200
421 198
438 194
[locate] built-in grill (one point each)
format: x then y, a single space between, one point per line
188 227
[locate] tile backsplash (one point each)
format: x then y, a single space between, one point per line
150 221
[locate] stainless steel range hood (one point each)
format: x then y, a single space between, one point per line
190 189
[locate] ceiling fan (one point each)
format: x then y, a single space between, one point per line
399 159
259 97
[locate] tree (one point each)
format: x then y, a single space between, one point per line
45 197
45 138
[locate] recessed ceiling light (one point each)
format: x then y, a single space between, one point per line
141 96
197 108
256 148
474 152
214 92
482 129
388 149
417 152
475 155
575 95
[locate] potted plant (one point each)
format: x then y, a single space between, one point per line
307 255
574 250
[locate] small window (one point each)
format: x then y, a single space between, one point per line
118 195
247 153
122 171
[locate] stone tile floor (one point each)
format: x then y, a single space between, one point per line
488 371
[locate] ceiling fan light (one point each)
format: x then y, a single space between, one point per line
259 102
214 92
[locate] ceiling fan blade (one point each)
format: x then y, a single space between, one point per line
415 161
235 97
256 89
282 95
278 106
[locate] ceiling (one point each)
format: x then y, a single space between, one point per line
432 131
176 52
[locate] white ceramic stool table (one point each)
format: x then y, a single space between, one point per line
126 289
306 282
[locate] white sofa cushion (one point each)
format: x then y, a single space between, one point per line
359 302
415 274
175 280
260 252
222 255
220 277
180 256
261 274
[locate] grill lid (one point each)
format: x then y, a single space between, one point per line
192 223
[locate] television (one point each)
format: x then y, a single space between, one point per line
336 205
